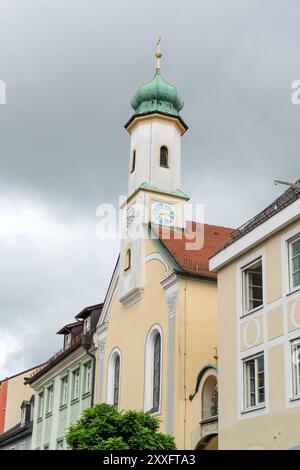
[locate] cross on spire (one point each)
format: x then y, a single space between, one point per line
158 54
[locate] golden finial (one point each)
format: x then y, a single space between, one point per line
158 54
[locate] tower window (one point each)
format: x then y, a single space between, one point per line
133 162
127 264
164 157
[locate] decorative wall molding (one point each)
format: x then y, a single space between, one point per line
171 287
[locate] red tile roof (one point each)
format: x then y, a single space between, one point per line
194 261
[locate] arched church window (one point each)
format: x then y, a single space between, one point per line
116 381
133 162
156 372
210 398
127 264
164 157
153 361
113 378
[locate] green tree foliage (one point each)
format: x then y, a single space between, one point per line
105 428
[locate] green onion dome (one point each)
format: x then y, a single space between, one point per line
157 95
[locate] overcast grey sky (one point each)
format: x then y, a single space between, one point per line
71 67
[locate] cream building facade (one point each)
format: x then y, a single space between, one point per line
259 330
157 332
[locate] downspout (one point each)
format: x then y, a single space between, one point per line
184 368
94 376
87 343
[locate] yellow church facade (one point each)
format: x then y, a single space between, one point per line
157 333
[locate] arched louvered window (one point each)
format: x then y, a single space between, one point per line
116 381
153 375
164 157
132 168
156 372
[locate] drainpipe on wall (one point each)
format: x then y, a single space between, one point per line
87 343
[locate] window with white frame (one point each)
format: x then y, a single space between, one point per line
22 446
41 405
252 286
87 324
76 384
294 263
64 390
60 444
49 399
254 382
87 378
295 357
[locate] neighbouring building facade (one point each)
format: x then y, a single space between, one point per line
13 392
64 384
157 332
259 330
19 436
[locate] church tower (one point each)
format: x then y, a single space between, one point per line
154 196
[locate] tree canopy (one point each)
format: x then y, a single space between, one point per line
105 428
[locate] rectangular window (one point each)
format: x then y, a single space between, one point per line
254 382
76 384
41 405
295 356
60 444
252 286
68 338
87 325
87 378
64 391
50 399
23 416
294 263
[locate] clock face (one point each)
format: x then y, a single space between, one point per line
130 215
163 213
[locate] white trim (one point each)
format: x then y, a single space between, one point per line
259 348
260 233
157 257
110 377
148 381
111 293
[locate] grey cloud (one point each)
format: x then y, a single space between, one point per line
71 68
